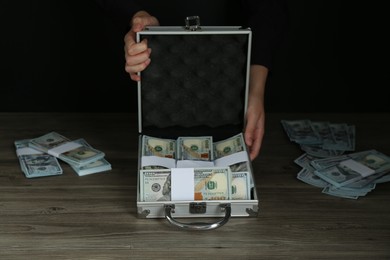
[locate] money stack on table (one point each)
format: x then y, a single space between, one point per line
326 164
38 157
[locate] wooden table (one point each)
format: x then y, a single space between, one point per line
95 216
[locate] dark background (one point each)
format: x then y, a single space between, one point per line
68 56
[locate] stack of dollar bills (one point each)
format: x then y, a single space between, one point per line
160 153
221 170
215 183
321 139
39 156
35 163
327 164
348 176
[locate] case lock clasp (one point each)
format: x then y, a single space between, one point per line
198 207
192 23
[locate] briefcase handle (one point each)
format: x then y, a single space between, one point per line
198 225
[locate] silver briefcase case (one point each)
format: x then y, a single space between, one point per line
196 85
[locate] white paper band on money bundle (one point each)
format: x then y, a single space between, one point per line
357 167
27 151
232 159
182 184
193 164
63 148
156 160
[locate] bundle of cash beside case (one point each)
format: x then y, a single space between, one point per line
38 156
35 163
192 98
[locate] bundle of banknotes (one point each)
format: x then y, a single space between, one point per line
221 170
38 157
321 139
348 176
328 161
215 183
161 153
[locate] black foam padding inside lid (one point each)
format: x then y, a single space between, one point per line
194 81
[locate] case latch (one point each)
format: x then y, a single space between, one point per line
198 207
192 23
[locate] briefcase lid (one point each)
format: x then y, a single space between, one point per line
197 81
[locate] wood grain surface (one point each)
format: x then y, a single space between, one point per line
95 216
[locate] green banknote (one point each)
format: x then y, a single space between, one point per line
319 151
68 151
356 168
338 193
342 134
157 153
240 183
304 161
34 163
354 189
230 146
195 148
212 184
325 132
152 146
307 175
100 165
321 138
301 131
155 185
217 183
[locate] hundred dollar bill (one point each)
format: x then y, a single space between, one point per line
334 192
155 185
321 163
240 183
323 129
212 184
341 133
152 146
34 163
304 161
164 149
68 151
361 191
307 175
366 181
319 151
354 169
346 192
231 146
195 148
301 131
101 165
240 167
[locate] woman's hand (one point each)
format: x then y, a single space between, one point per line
137 55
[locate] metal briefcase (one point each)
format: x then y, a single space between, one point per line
196 85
